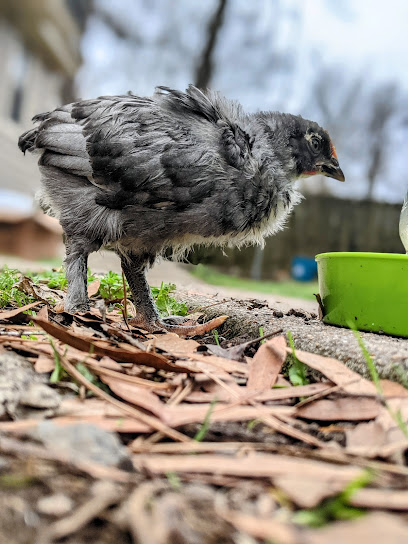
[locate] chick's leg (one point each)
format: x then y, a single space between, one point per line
134 267
76 261
148 318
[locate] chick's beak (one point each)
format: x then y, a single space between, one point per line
331 169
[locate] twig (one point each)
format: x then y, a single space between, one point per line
263 337
317 396
148 420
124 309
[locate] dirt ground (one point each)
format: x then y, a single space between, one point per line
109 434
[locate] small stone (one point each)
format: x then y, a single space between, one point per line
278 313
55 505
39 395
84 442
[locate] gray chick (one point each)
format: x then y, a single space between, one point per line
142 175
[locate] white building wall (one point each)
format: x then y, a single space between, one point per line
41 91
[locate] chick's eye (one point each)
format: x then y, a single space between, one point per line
315 144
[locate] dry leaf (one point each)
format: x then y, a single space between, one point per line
8 314
139 396
107 370
351 382
376 528
340 409
260 396
254 465
236 353
306 491
365 439
384 499
172 343
183 414
44 364
176 416
125 353
220 363
40 292
393 389
193 330
268 530
93 288
59 308
43 313
109 363
266 364
101 417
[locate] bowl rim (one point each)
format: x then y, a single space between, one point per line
360 255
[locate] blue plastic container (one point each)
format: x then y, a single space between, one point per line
303 268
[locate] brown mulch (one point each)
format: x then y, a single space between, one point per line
224 448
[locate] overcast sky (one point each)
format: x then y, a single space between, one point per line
368 34
359 38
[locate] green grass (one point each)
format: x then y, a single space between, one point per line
111 289
297 371
336 508
288 288
9 294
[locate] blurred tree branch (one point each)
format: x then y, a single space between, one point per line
384 106
357 113
117 26
205 65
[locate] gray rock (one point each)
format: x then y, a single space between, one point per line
39 395
84 442
19 381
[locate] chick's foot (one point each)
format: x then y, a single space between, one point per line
159 325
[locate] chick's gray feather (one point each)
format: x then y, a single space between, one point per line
145 174
157 172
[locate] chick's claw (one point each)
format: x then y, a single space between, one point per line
159 325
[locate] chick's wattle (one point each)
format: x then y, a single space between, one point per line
141 175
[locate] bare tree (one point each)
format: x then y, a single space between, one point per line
384 104
358 112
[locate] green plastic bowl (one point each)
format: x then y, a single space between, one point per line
369 289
